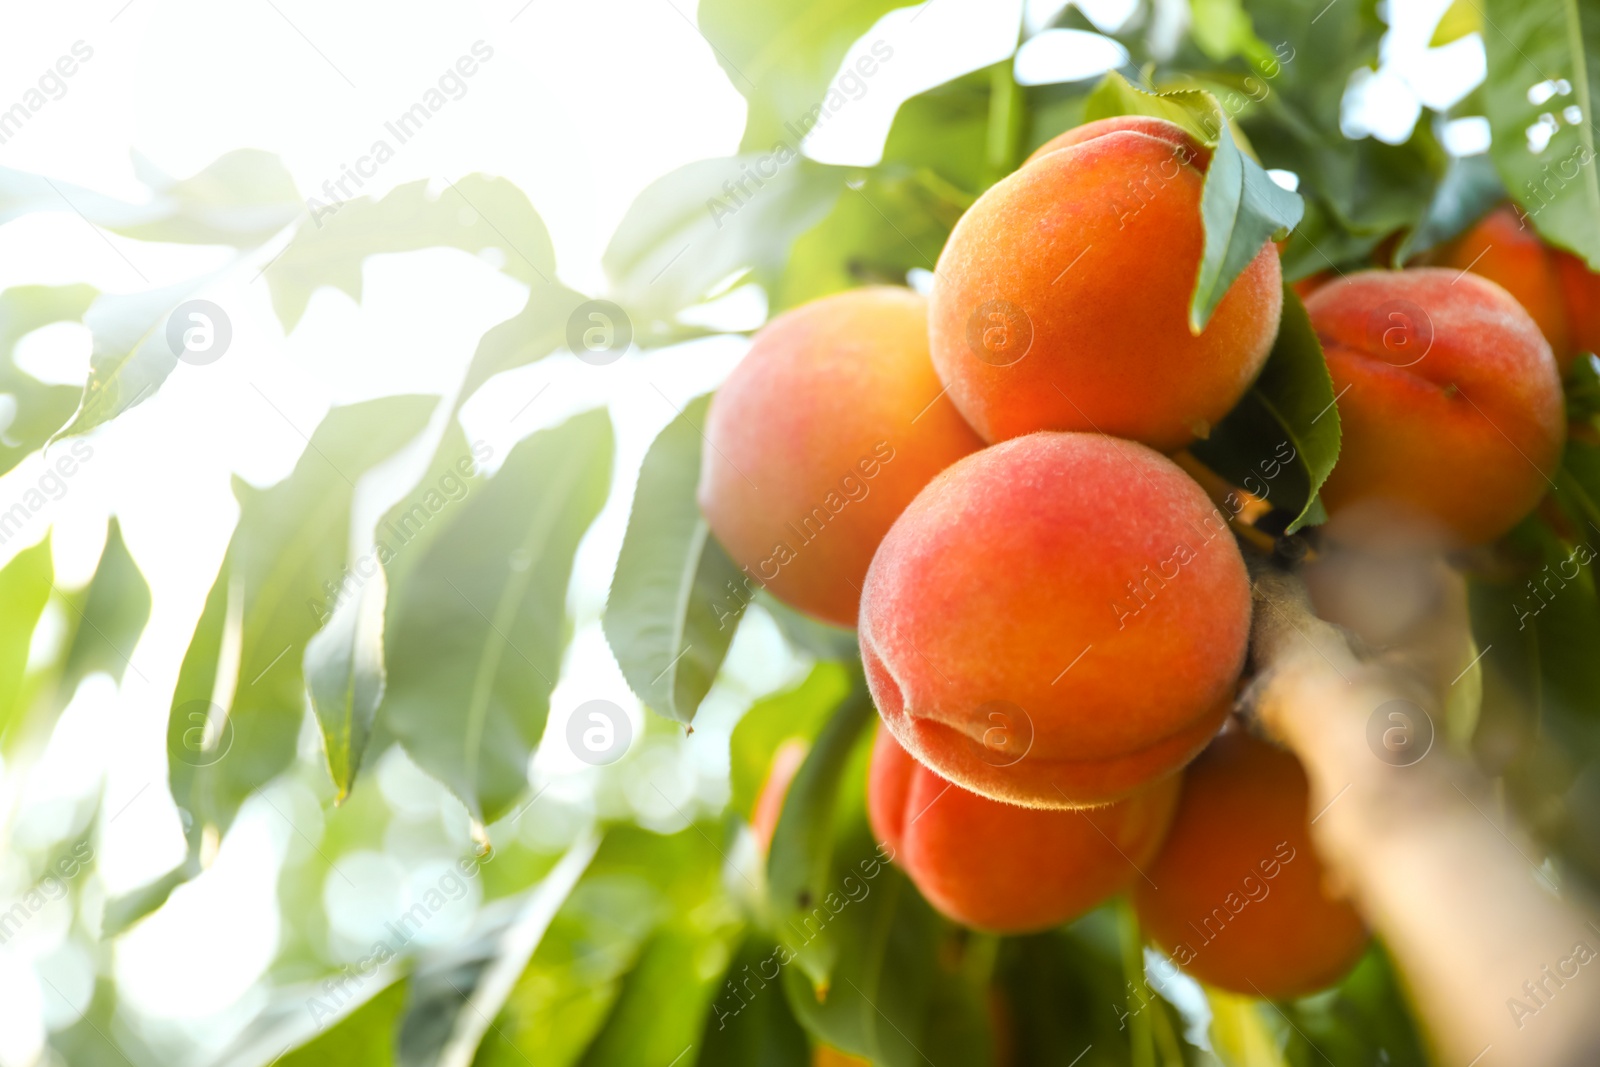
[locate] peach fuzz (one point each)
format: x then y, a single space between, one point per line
1450 406
822 434
1056 621
1507 252
1236 895
1003 868
1061 299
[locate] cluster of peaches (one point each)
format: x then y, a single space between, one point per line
992 486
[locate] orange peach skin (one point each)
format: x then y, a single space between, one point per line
1511 255
819 438
1461 429
1236 894
1002 868
1061 299
1056 621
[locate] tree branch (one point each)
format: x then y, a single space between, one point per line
1453 887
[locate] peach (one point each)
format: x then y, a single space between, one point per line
1580 295
1236 895
1003 868
1509 253
1061 299
1056 620
1449 402
819 438
1160 129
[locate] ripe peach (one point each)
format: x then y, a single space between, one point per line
1236 894
1000 867
1056 620
819 438
1580 295
1061 299
1160 129
1511 255
1449 402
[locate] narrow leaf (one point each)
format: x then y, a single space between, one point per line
475 634
344 676
800 863
25 585
1243 209
676 598
1282 439
476 214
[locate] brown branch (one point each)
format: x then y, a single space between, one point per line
1449 882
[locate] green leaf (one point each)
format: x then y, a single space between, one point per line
1067 994
753 1026
475 634
364 1038
343 665
25 585
676 598
240 199
1282 439
798 712
783 57
38 409
1536 52
1459 19
107 617
819 640
1466 193
131 357
240 698
1243 209
1240 206
1222 29
694 231
1196 110
457 989
883 225
531 334
475 214
125 910
1362 1020
897 996
581 995
800 864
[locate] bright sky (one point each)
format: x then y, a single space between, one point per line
581 105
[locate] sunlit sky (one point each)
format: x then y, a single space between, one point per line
581 105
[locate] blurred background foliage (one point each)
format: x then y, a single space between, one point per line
471 901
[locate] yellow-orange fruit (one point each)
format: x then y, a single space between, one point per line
1236 893
1004 868
1056 620
1449 402
819 438
1061 299
1507 252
